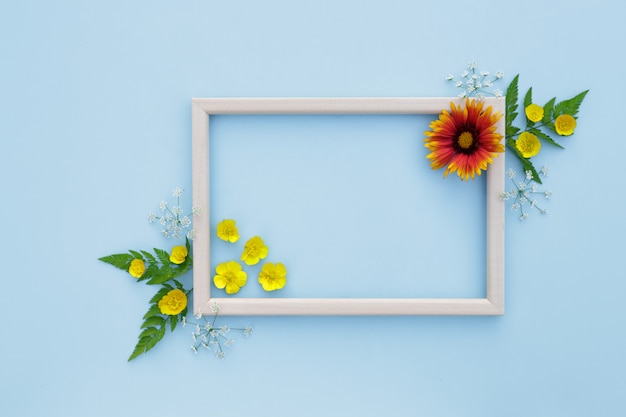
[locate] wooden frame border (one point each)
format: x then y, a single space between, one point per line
202 108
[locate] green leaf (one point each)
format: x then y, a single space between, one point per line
149 273
153 321
120 260
162 292
173 322
139 349
545 137
511 102
163 256
149 257
136 254
162 275
548 112
152 311
511 131
528 98
570 106
149 331
146 343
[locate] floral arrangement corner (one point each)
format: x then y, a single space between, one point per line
465 139
169 306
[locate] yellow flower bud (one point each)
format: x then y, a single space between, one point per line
534 112
178 255
137 268
565 125
173 302
528 144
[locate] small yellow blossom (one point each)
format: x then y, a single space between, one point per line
178 255
254 250
534 112
565 125
528 144
230 275
173 302
137 268
273 277
227 230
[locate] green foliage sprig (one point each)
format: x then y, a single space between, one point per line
157 269
155 323
543 128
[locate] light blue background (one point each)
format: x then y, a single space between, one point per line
95 128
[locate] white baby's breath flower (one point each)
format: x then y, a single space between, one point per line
177 192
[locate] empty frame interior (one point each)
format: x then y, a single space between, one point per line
203 108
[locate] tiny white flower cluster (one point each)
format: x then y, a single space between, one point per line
524 192
475 82
174 222
210 337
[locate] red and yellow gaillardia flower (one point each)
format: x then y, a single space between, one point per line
464 139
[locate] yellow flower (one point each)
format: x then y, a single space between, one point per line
137 268
273 277
230 276
528 144
227 230
173 302
534 112
254 250
178 255
565 125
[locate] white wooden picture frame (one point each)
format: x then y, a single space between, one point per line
203 108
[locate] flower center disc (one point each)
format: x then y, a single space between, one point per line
465 140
